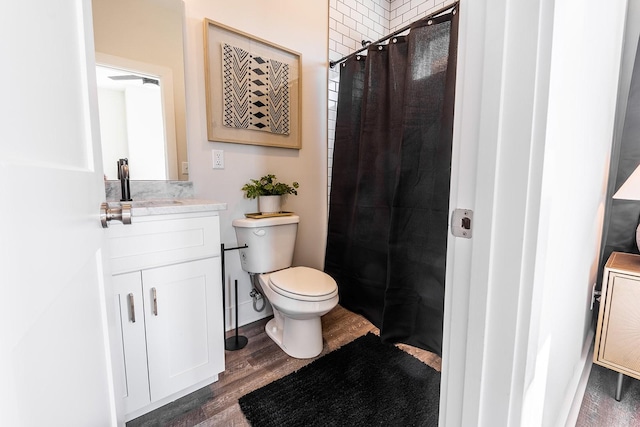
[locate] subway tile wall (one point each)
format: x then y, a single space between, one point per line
351 22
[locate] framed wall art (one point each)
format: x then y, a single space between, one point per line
253 89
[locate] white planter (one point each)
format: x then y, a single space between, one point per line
269 204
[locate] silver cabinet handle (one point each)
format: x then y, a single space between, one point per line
155 301
132 309
123 213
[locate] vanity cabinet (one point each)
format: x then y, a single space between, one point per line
617 343
166 276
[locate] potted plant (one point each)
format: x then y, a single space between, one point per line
269 192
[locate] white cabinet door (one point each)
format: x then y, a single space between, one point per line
184 325
130 312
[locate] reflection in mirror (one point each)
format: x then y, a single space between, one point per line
145 37
132 123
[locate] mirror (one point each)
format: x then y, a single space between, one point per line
136 118
143 40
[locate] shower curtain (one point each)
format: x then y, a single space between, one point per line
388 215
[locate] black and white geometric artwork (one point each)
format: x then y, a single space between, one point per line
255 92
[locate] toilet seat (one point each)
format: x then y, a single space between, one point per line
303 284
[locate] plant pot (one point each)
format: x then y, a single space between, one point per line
269 204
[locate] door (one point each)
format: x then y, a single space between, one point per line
54 357
181 322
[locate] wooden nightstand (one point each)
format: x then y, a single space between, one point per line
617 344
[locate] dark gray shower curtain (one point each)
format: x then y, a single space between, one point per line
386 242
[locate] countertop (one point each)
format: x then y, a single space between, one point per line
169 206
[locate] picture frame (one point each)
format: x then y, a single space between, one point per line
253 89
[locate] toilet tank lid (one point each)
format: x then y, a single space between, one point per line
265 222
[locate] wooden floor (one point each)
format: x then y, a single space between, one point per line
599 406
262 361
256 365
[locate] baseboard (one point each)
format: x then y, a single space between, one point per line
576 403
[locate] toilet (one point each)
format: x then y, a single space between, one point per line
299 296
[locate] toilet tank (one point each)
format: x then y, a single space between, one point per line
270 242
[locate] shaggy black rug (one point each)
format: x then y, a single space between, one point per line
363 383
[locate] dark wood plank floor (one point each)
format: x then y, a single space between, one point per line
256 365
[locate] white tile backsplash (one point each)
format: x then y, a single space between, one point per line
351 21
144 190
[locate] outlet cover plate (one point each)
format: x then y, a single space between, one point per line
218 159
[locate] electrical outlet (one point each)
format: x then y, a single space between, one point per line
218 159
185 168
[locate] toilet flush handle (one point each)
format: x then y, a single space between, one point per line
260 232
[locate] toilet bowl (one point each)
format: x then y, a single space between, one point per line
299 296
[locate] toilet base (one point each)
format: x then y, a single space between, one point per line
299 338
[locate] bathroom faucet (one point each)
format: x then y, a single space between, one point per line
123 176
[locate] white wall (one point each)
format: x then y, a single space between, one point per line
299 26
146 131
113 129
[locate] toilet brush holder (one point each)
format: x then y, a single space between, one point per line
238 341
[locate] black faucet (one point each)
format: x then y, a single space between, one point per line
123 176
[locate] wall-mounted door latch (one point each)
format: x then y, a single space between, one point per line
462 222
595 295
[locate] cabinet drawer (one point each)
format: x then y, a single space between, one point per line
617 343
147 244
619 326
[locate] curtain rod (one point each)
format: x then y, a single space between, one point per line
395 33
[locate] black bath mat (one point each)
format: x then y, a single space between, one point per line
363 383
